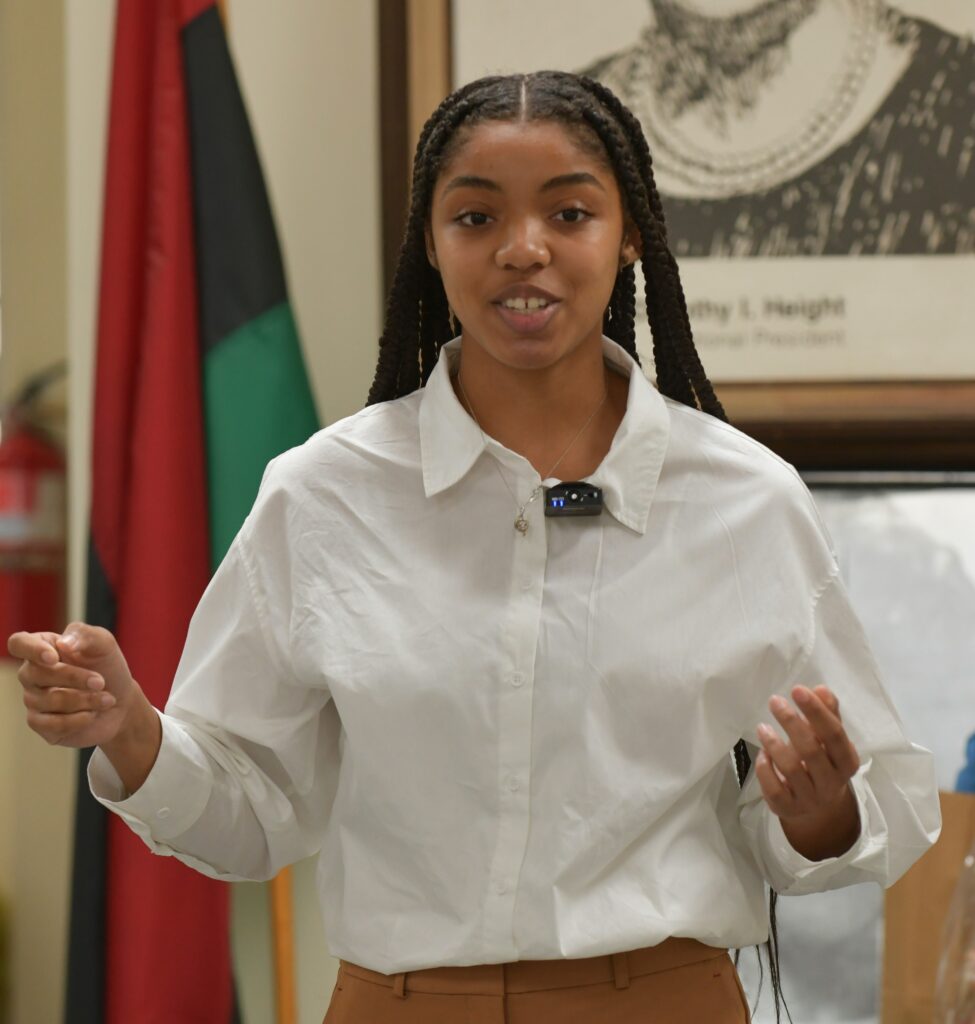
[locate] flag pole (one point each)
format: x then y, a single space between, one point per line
282 915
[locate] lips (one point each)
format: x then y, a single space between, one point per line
524 291
526 321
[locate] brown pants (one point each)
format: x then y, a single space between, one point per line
681 981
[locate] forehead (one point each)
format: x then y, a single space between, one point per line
522 154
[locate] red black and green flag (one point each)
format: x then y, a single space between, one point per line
199 382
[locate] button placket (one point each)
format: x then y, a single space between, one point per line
520 629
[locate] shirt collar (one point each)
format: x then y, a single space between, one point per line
451 442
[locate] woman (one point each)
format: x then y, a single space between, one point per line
505 727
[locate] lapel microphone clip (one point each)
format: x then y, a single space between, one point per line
573 498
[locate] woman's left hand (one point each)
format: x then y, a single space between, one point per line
805 779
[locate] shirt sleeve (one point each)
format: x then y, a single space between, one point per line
248 765
895 786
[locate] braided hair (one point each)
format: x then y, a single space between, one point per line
418 319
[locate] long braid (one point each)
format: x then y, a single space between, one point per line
401 311
435 323
395 374
680 374
685 349
664 308
671 372
671 379
619 322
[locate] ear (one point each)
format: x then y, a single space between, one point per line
431 251
632 248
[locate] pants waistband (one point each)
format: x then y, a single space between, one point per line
534 975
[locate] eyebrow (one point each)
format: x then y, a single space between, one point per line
560 181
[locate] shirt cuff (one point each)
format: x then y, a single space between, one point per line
173 796
801 875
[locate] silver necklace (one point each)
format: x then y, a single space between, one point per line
521 523
718 176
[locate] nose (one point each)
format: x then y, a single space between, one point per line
523 246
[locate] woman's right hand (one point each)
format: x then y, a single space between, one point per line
78 690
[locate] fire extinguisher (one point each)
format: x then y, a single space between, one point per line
32 517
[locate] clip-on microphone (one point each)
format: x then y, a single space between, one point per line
573 498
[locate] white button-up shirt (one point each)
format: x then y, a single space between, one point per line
508 746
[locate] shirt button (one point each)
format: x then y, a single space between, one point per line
163 812
517 679
500 888
526 584
513 783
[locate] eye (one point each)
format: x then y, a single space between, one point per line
573 215
472 219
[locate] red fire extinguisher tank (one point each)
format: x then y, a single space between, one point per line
32 531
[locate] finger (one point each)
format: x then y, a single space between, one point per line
787 762
775 792
825 778
41 677
58 701
39 647
81 642
830 732
57 728
826 695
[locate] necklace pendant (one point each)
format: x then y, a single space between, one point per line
521 524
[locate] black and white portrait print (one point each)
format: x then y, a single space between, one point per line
804 127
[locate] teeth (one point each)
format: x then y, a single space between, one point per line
524 304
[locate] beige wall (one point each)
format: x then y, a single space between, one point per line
308 71
33 816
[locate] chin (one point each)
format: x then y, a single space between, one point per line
528 352
523 351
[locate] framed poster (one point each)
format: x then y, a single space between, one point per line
816 162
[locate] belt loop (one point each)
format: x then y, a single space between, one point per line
621 972
399 983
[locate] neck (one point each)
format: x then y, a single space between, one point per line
538 412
